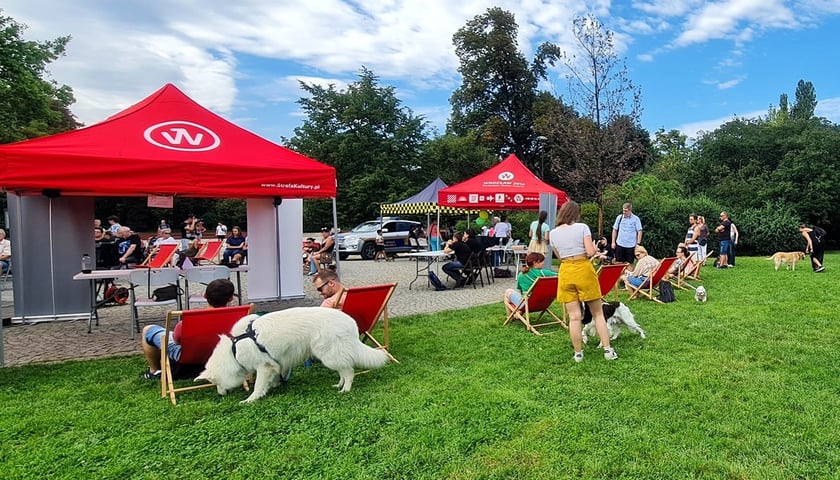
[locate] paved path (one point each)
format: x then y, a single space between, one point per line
66 340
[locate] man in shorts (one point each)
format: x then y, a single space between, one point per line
219 293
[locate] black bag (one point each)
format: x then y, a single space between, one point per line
162 294
435 281
502 273
666 292
702 242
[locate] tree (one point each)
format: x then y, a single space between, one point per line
369 137
31 105
806 101
498 86
455 158
605 145
672 152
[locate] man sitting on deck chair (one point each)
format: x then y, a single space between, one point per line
218 293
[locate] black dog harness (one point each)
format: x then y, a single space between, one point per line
252 334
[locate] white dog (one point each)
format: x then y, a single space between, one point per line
700 294
617 314
270 345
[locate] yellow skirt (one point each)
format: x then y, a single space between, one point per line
578 282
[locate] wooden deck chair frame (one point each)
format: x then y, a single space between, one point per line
199 336
683 272
538 298
695 275
209 252
649 287
160 256
366 305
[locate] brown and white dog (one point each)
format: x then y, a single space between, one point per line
788 259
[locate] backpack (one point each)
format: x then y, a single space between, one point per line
435 281
666 292
118 295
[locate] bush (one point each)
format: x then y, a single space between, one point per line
766 230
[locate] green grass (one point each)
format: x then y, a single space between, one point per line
744 386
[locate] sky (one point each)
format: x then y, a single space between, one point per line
698 64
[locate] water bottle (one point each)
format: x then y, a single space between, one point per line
87 263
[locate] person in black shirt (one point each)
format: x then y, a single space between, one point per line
462 254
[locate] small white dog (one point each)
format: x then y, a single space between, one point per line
700 294
270 345
617 314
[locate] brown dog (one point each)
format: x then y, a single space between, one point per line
789 259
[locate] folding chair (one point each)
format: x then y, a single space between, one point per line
160 256
648 288
695 274
209 252
200 330
366 305
683 271
203 275
472 270
608 276
149 278
538 298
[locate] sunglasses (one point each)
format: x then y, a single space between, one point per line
322 287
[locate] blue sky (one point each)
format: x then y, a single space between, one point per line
698 63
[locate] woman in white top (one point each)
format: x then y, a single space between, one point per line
572 243
539 234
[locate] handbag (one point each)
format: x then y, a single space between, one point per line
169 292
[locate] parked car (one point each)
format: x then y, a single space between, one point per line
361 240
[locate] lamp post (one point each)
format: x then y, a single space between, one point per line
541 150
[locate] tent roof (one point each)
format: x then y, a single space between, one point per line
167 144
506 185
422 202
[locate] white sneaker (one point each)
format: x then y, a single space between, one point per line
578 357
610 354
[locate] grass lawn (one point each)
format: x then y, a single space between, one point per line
745 386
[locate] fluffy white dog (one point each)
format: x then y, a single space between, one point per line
700 294
270 345
617 314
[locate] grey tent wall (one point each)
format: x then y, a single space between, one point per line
49 236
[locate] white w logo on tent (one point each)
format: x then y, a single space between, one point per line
181 134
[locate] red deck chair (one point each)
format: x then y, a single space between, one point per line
366 305
608 276
649 287
200 332
538 299
160 256
209 252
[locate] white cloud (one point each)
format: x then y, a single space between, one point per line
735 19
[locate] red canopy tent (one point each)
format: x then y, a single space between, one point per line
166 144
506 185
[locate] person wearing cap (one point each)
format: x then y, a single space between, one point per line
324 254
